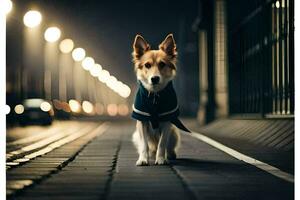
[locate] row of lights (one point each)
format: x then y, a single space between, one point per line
33 18
88 108
74 106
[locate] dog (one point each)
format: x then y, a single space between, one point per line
155 107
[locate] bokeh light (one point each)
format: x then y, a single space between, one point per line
87 107
103 76
99 108
123 109
66 46
7 109
52 34
45 106
96 70
74 106
78 54
32 18
19 109
8 6
112 109
88 63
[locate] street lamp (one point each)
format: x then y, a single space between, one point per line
66 46
8 6
52 34
96 70
103 76
87 107
78 54
88 63
7 109
32 18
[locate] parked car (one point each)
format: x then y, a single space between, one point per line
35 111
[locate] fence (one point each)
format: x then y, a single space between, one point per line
261 57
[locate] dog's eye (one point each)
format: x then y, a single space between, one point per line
161 64
147 65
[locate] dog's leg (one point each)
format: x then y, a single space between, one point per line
162 144
173 143
141 143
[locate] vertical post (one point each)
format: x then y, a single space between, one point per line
51 79
220 64
77 81
33 64
203 74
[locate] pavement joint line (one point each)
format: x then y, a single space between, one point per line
186 187
247 159
51 146
112 172
95 133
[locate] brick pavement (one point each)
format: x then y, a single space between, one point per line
105 169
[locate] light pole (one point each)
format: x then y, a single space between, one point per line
87 64
51 80
65 70
78 55
32 58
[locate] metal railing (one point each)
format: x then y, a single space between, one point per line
261 58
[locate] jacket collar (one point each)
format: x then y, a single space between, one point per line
149 94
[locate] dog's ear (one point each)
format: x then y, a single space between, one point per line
140 46
169 46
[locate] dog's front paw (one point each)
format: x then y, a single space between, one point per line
161 161
142 162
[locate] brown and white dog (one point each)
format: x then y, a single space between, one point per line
154 70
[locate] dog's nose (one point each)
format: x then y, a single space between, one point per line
155 80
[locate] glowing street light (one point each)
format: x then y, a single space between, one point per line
87 107
104 76
112 109
124 91
111 82
66 46
7 109
88 63
96 70
32 18
8 6
123 109
78 54
74 106
52 34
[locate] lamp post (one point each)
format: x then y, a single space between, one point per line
32 59
78 55
87 64
51 80
66 70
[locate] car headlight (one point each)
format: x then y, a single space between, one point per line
45 106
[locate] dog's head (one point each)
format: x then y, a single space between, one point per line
154 68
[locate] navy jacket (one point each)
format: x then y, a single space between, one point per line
157 107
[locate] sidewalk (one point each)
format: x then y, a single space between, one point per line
105 169
268 140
